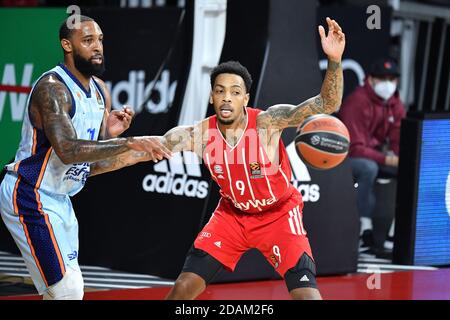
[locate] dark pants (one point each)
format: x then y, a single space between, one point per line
364 172
369 192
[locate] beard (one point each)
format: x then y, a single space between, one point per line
86 67
225 121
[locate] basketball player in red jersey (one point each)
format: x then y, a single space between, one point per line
243 150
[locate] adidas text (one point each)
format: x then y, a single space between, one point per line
310 192
178 185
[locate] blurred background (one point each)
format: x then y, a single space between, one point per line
158 57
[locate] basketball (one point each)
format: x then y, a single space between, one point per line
322 141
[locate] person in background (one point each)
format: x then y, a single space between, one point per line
373 114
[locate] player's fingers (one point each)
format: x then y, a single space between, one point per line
117 114
159 154
165 152
128 110
152 156
161 149
330 24
156 155
322 32
336 25
127 118
147 156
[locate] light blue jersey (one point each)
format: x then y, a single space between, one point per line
34 195
36 159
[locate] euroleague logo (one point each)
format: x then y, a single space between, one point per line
447 194
315 140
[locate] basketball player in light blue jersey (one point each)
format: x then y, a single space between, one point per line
68 134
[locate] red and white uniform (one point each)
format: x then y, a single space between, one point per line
259 207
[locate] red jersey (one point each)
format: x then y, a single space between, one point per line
244 172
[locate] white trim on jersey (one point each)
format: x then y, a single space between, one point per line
293 218
294 215
291 223
300 218
229 175
285 178
265 175
240 138
296 220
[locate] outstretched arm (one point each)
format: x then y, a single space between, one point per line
179 139
52 103
125 159
328 101
186 138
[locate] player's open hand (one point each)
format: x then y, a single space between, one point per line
152 145
333 44
119 121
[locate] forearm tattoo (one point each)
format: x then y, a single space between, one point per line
117 162
179 138
185 138
53 102
332 87
330 97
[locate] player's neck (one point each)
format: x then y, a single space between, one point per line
237 126
81 77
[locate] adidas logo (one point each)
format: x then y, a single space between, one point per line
304 278
218 244
181 177
300 174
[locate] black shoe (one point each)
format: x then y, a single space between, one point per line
378 253
382 253
366 239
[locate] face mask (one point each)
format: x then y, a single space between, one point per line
385 89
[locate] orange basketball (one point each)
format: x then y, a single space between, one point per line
322 141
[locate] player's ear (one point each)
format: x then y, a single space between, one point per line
210 98
246 99
66 45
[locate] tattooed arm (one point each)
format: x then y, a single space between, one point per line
284 115
126 159
50 107
187 138
181 138
328 101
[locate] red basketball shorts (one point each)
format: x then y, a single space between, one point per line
278 233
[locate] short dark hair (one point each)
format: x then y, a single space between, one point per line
65 32
233 67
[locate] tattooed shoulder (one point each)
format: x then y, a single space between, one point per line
50 94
